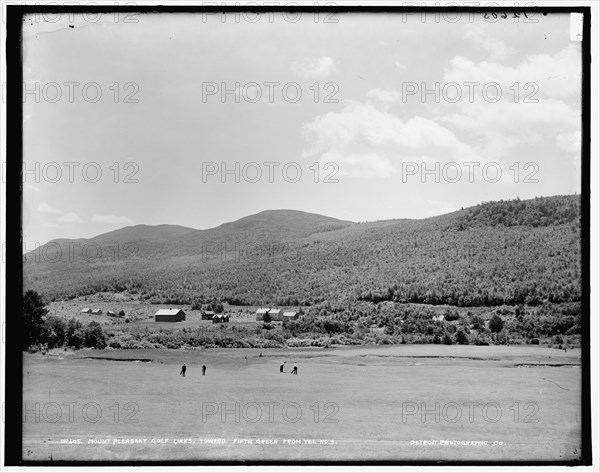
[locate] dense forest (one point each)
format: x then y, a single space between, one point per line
508 252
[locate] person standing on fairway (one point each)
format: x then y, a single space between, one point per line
281 367
183 368
295 370
203 370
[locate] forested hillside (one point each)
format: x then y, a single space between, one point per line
508 252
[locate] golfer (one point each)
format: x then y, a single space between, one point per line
295 370
203 370
183 368
281 370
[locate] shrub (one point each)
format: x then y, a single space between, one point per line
53 332
75 336
477 322
461 338
534 341
447 339
496 323
196 304
34 311
94 336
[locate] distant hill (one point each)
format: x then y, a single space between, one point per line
132 233
269 226
490 254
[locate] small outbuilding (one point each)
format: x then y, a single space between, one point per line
87 310
260 314
220 318
97 312
438 318
169 315
290 315
111 313
276 314
208 314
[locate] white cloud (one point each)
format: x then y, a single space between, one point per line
365 165
569 141
513 116
45 208
70 217
524 115
314 68
557 76
387 97
97 218
367 142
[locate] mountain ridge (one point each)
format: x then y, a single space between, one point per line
505 251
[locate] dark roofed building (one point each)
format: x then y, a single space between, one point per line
169 315
220 318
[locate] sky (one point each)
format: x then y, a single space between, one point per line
198 120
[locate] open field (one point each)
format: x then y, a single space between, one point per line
139 313
347 403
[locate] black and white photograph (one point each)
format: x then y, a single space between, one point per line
300 234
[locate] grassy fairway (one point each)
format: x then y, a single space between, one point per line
370 402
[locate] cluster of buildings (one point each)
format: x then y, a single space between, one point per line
178 315
87 310
276 314
110 313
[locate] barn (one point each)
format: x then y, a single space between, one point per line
97 312
169 315
208 314
220 318
111 313
276 314
87 310
260 313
